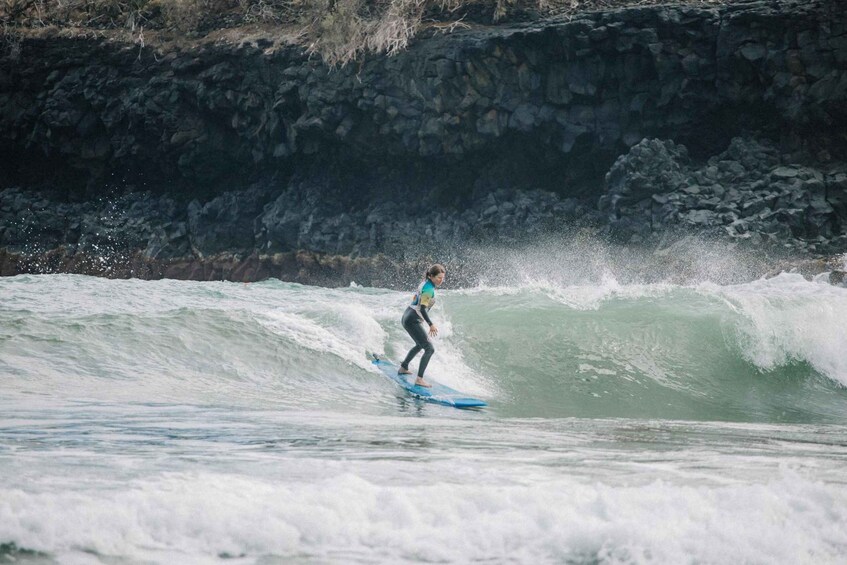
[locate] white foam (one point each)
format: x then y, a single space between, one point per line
200 516
588 368
591 297
582 297
786 319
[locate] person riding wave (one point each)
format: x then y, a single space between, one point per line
414 316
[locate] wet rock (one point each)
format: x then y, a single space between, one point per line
838 278
651 167
793 205
225 224
783 173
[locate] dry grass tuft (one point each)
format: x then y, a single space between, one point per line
339 30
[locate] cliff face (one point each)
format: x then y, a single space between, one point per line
450 122
566 95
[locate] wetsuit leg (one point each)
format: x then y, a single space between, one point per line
413 325
428 351
411 355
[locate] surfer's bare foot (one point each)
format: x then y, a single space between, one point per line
402 371
420 382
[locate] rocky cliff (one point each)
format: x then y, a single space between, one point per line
178 153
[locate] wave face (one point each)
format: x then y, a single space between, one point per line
766 351
186 422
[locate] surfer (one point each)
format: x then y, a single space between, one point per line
415 314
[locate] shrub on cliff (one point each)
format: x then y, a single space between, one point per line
342 30
339 30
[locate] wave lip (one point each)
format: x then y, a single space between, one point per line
787 319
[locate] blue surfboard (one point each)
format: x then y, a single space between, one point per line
437 393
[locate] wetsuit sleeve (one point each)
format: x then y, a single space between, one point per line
427 300
425 315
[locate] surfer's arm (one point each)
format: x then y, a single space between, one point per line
427 300
425 316
433 331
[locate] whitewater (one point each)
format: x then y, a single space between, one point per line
701 421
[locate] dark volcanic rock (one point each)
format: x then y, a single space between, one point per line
226 223
213 158
568 95
652 167
746 192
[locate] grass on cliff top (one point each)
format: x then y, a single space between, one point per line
339 30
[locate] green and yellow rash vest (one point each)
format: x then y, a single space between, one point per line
423 300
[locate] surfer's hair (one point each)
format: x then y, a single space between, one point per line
435 270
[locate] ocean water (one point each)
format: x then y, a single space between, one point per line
213 422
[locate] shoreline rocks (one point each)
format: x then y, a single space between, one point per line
749 196
749 191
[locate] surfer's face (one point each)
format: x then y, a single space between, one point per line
438 279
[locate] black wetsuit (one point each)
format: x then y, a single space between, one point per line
413 319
